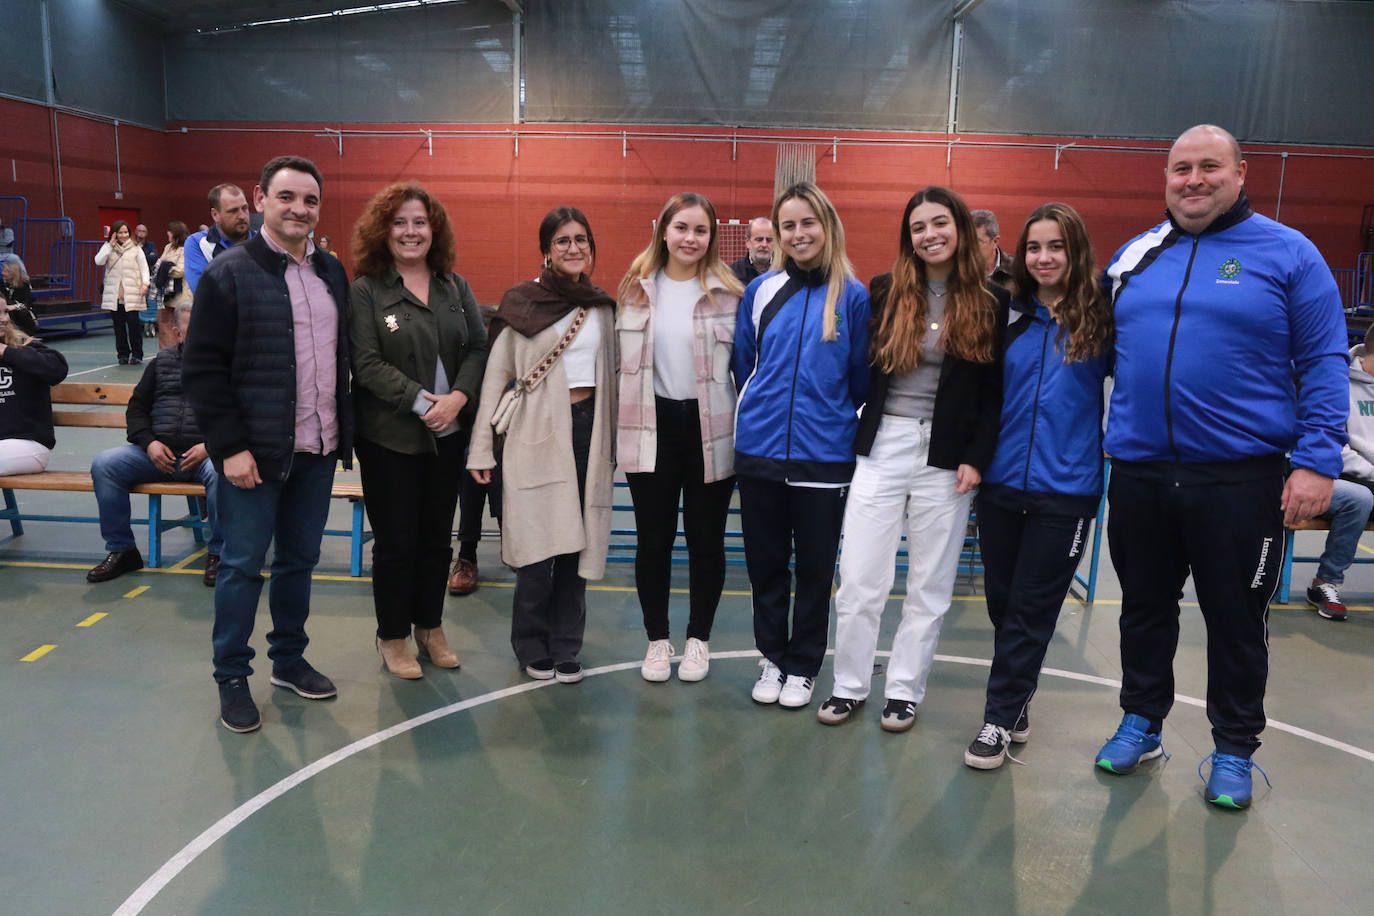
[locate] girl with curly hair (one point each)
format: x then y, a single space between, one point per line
419 350
1041 492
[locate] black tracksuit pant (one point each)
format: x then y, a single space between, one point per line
1029 558
1222 523
776 517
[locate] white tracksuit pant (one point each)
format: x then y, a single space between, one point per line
894 487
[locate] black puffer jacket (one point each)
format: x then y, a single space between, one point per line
239 364
158 409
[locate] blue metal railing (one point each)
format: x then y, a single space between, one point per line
49 255
1345 282
1364 280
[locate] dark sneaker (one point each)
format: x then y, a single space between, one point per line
898 715
989 749
1229 784
540 669
1020 734
567 672
1327 601
211 570
237 711
1131 745
116 564
837 709
306 681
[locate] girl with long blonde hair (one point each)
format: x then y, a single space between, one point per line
801 361
675 436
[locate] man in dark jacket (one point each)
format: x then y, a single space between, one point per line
165 445
266 370
759 254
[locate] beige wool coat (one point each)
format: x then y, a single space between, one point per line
541 517
126 268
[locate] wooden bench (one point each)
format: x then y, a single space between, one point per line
86 396
1312 524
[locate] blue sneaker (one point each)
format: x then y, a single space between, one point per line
1131 744
1229 784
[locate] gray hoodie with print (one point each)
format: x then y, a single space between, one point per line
1358 454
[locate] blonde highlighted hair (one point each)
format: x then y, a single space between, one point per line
970 311
653 258
833 259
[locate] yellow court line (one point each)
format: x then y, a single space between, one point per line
1364 548
93 619
38 653
186 562
138 591
624 589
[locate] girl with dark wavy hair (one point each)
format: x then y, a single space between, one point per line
1043 487
419 350
925 438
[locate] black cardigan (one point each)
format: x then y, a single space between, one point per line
968 399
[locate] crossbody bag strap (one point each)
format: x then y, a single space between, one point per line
541 368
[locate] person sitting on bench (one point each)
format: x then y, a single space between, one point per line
1352 495
166 446
28 369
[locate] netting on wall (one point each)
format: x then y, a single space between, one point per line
443 64
859 63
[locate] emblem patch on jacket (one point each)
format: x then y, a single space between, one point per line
1229 270
391 324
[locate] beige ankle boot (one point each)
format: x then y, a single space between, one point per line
400 661
433 644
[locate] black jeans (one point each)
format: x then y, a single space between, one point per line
472 499
775 516
1229 534
410 501
1029 560
679 472
128 333
549 610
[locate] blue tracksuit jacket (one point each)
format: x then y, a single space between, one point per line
798 395
1211 331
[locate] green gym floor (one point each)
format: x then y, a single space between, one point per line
479 791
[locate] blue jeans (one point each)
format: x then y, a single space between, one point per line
116 470
1351 504
291 512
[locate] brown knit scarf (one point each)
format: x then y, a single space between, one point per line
534 305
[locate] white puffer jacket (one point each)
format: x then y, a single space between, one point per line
126 267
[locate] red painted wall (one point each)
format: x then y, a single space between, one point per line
497 198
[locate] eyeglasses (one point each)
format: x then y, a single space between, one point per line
564 242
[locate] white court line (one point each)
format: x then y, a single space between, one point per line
96 369
174 866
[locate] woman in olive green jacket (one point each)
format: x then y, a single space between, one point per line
419 351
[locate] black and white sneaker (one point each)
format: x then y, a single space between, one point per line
989 749
541 669
1020 734
898 715
837 709
568 672
1327 601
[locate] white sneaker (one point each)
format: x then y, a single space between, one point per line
796 691
696 660
658 665
769 684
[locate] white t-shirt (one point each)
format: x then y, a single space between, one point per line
675 374
579 360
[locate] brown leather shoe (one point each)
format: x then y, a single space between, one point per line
116 564
434 644
211 570
463 580
399 660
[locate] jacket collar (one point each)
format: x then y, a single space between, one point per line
817 276
1239 213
